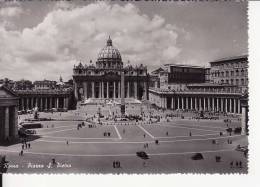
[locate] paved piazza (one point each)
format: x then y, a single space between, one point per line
87 150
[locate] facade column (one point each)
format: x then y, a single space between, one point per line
114 92
172 103
57 102
217 104
76 90
41 104
204 103
209 107
46 100
230 105
93 94
196 103
199 103
191 103
107 89
226 105
50 102
119 90
178 102
64 102
135 85
6 125
187 103
222 104
22 104
235 106
145 91
238 106
85 90
99 90
128 89
102 90
27 103
31 103
213 103
182 103
36 102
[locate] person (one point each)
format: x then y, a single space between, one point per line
167 133
29 145
67 142
240 164
21 152
25 145
22 146
231 164
236 163
190 133
144 135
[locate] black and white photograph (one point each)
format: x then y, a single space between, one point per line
124 87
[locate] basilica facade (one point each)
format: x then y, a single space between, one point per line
109 78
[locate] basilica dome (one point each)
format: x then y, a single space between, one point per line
109 56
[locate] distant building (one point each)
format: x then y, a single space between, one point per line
23 85
233 71
7 83
178 76
44 85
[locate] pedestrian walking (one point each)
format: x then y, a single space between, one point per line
67 142
23 147
21 152
29 145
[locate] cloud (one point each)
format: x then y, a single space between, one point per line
69 33
10 11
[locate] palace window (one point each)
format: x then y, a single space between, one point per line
227 81
231 81
242 82
237 73
237 81
227 74
242 72
232 73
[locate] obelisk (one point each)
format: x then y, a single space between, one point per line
122 93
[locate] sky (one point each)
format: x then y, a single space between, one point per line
44 39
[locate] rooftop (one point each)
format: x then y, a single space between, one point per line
230 58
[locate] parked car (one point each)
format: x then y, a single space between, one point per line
142 155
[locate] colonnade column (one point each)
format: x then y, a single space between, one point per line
204 103
191 103
230 105
32 103
182 103
102 90
50 103
6 125
187 103
209 106
76 90
178 102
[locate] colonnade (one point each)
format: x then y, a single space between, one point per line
227 104
43 103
